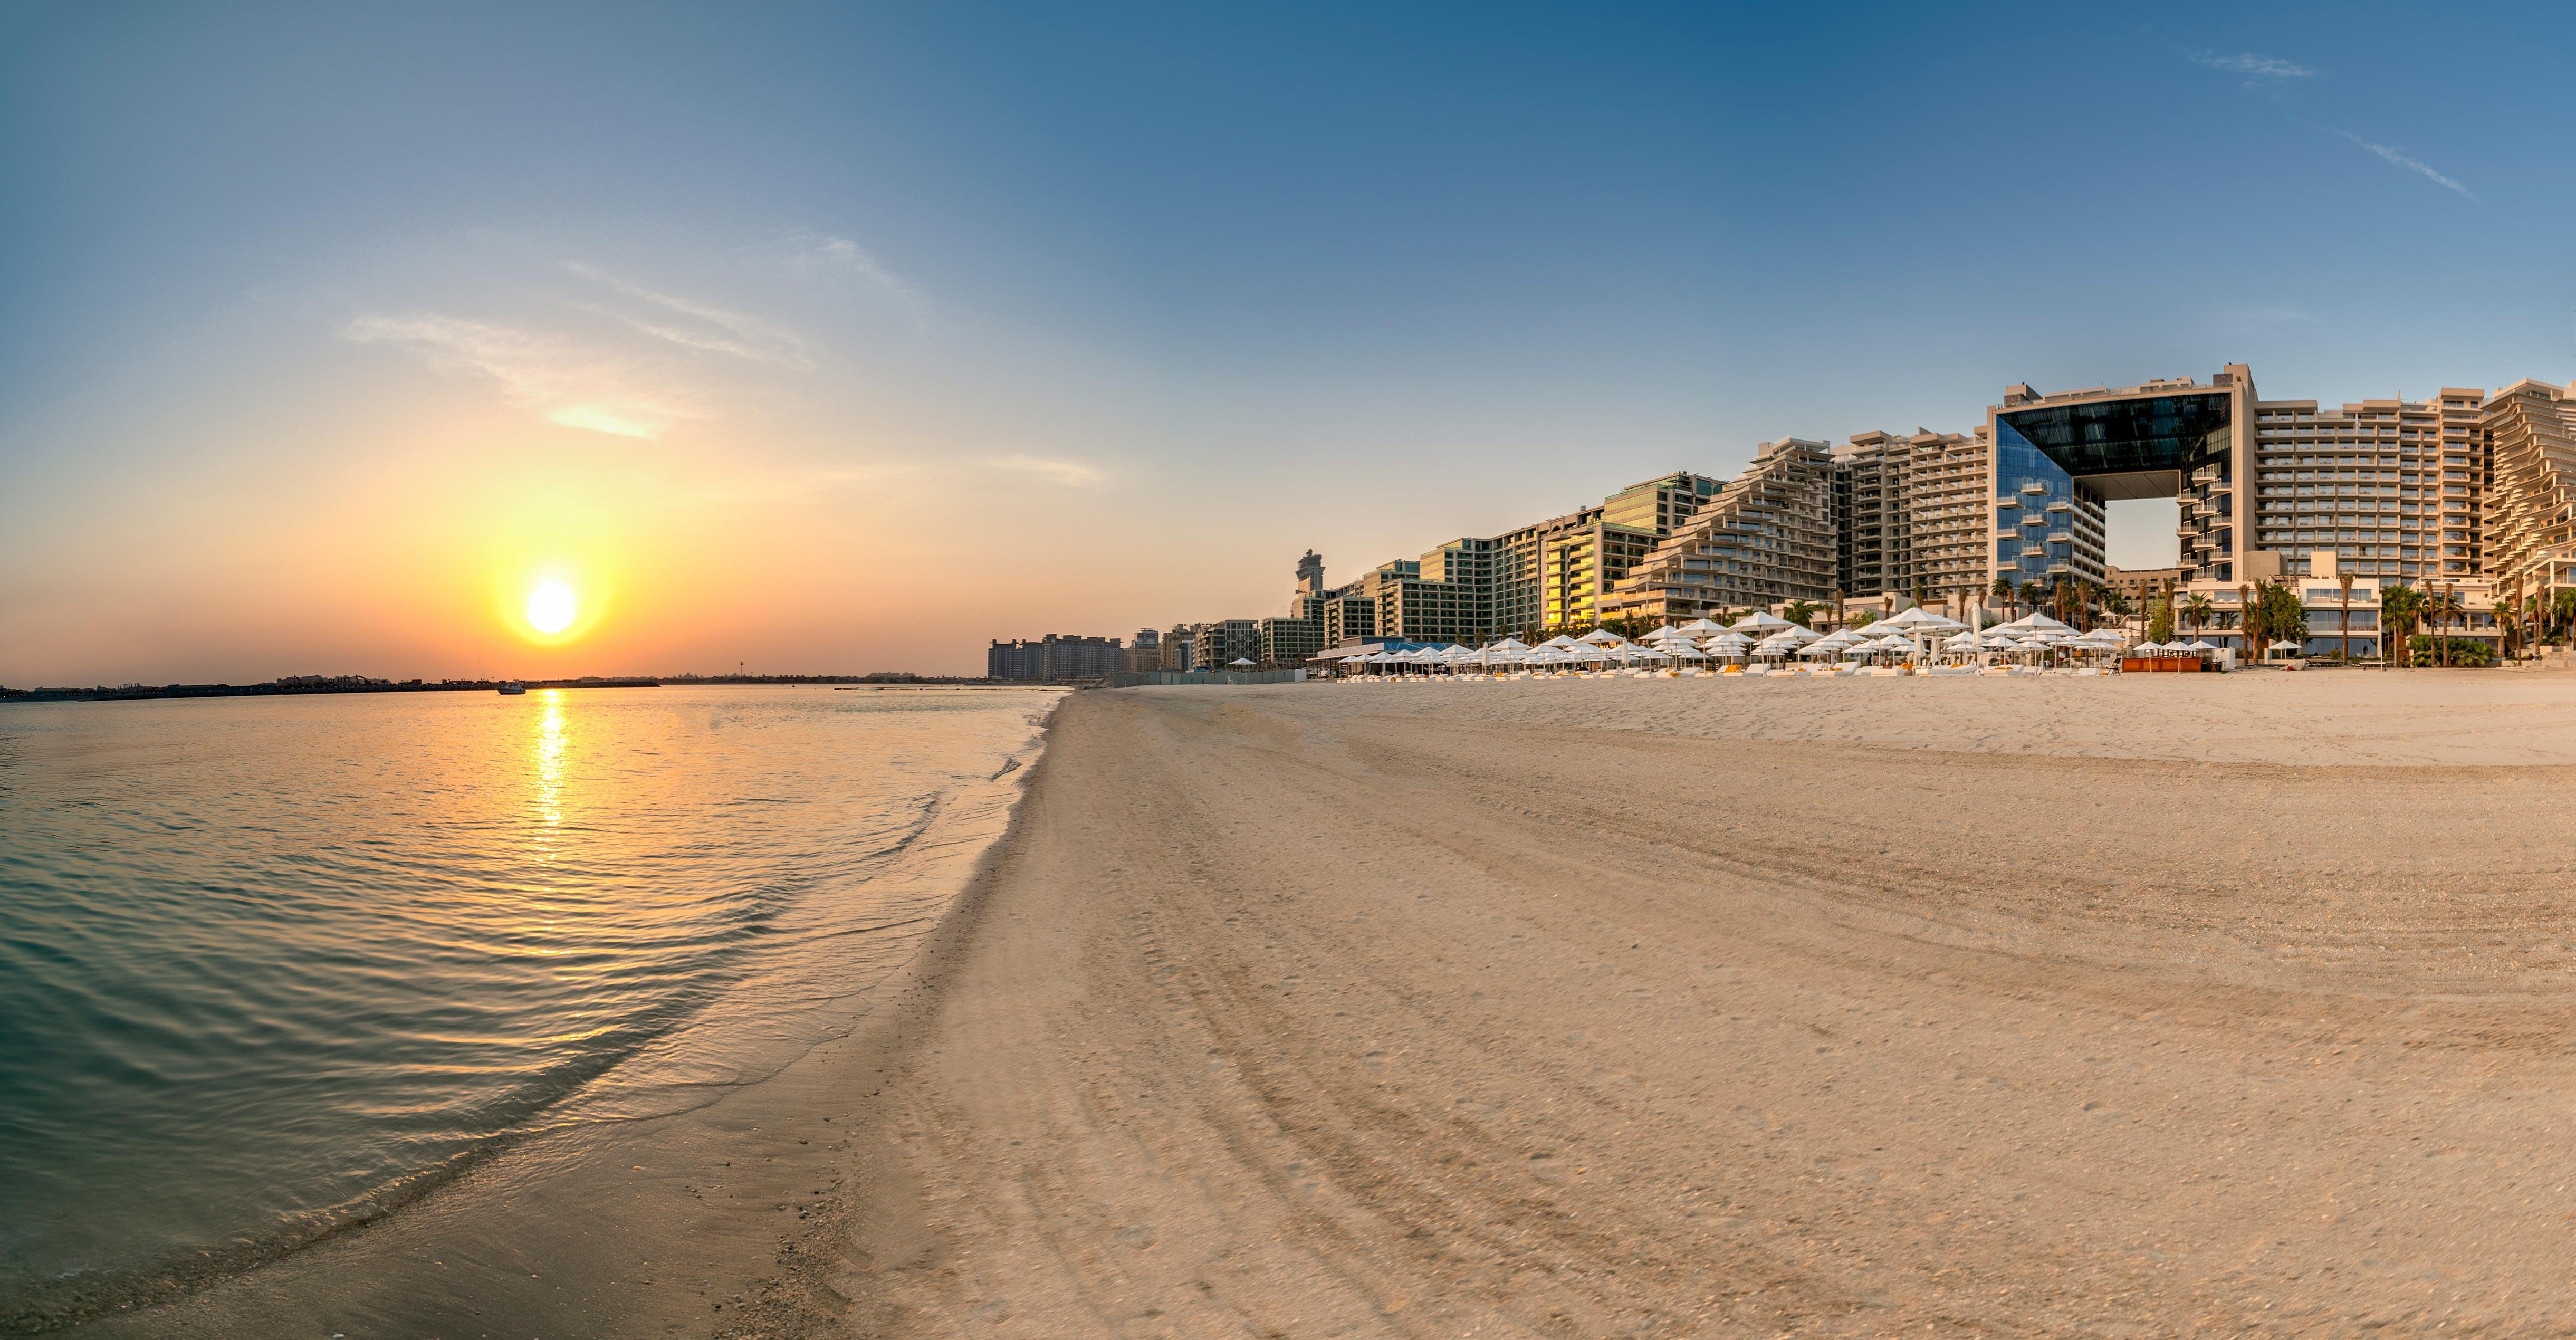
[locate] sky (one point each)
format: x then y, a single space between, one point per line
848 338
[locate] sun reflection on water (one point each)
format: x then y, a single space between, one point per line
549 756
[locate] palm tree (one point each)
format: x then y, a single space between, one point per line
2346 579
2448 607
1838 609
2562 607
2398 608
2196 608
2116 606
2031 594
2245 619
2002 591
1798 611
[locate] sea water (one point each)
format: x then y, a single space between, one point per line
271 966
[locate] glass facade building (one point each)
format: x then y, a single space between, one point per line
2046 526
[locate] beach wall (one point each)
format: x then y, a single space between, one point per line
1128 679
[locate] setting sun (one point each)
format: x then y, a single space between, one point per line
551 608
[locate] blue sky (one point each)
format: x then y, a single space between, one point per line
317 324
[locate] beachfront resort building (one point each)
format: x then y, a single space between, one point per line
2529 545
1057 658
2462 493
1767 538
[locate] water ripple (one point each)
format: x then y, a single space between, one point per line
270 967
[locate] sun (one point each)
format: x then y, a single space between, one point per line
551 608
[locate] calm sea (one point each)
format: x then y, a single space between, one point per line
270 966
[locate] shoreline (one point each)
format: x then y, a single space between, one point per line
661 1224
1301 1010
1306 1011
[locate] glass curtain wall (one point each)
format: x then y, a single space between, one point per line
2035 502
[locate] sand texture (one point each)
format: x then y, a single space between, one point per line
2211 1005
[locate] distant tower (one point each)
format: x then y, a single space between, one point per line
1310 575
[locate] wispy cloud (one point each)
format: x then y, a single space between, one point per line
738 334
569 384
2402 159
2257 67
822 256
1068 474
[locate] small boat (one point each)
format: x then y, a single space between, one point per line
512 686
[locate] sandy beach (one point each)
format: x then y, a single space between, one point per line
2222 1005
1581 1008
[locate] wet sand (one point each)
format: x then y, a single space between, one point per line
2233 1005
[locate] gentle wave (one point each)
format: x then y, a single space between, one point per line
272 968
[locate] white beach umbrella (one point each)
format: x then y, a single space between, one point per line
2198 645
1239 661
1603 637
1759 621
1702 628
1560 642
2044 624
1509 644
1684 651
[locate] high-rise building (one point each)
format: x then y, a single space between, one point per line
2395 488
2529 434
1949 515
1767 538
1054 659
1874 539
2473 492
